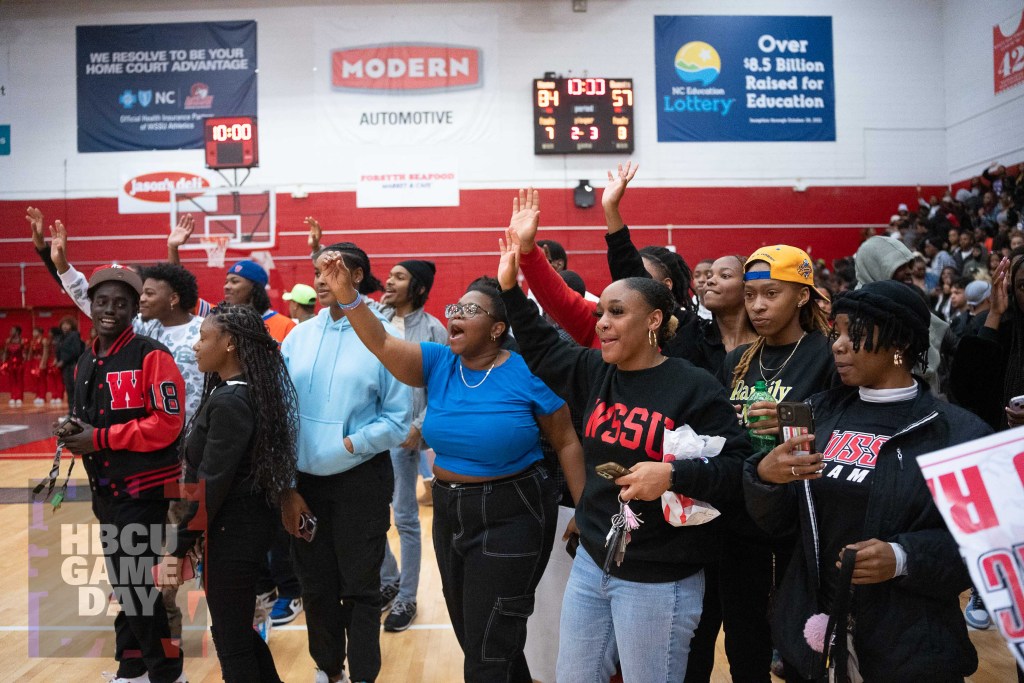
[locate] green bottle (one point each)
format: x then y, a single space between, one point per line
762 442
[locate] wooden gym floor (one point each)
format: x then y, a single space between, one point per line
427 653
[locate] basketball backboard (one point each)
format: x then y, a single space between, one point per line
247 216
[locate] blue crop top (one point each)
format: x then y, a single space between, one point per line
487 431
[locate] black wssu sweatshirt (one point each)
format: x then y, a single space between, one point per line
625 417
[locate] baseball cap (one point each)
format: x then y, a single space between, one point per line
304 295
250 270
115 273
785 263
977 291
895 218
902 207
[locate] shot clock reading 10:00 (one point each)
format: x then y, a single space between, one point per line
236 132
583 115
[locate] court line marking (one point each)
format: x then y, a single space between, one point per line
288 627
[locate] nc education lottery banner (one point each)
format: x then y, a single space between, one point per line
979 489
149 86
750 79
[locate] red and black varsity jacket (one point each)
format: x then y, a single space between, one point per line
134 398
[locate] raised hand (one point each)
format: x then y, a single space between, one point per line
337 276
508 266
35 219
1000 290
526 218
616 186
59 246
182 231
315 233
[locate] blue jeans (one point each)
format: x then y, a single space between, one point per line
407 520
646 627
426 471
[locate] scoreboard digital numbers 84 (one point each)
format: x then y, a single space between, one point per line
583 115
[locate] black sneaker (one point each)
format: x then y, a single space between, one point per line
402 614
388 593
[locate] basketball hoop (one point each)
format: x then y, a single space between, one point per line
215 248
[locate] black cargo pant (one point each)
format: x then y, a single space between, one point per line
492 542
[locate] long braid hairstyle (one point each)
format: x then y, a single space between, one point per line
812 319
273 397
1013 384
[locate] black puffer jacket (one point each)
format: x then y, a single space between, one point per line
906 629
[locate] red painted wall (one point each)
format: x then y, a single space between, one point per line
711 222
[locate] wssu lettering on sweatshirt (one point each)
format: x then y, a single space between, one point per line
626 414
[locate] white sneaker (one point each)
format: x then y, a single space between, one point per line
114 678
322 677
10 403
17 404
38 402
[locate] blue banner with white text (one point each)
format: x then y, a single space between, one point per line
150 86
744 79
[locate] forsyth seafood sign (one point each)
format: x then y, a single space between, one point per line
406 66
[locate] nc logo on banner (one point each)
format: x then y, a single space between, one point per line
697 62
145 97
127 99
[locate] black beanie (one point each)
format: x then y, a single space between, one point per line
421 270
890 298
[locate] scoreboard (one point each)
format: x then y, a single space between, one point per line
583 115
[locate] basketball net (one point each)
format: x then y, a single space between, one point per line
215 248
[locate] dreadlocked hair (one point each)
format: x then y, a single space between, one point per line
674 267
812 319
271 392
900 332
1013 384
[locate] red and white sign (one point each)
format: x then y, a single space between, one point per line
150 191
979 489
404 182
1008 52
405 66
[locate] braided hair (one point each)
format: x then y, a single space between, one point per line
1013 384
271 392
812 319
673 266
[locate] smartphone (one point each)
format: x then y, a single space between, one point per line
1017 402
307 526
67 426
795 419
611 471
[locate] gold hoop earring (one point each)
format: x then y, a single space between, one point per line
897 359
652 338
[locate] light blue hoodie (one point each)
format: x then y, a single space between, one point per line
343 391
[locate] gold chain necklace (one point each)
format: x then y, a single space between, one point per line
761 367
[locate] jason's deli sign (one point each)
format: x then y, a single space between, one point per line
405 67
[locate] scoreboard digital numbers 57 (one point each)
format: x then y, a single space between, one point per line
583 115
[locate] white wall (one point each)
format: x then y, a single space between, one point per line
891 105
982 127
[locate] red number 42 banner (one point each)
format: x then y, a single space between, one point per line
1008 52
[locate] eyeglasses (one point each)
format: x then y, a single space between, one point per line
464 310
